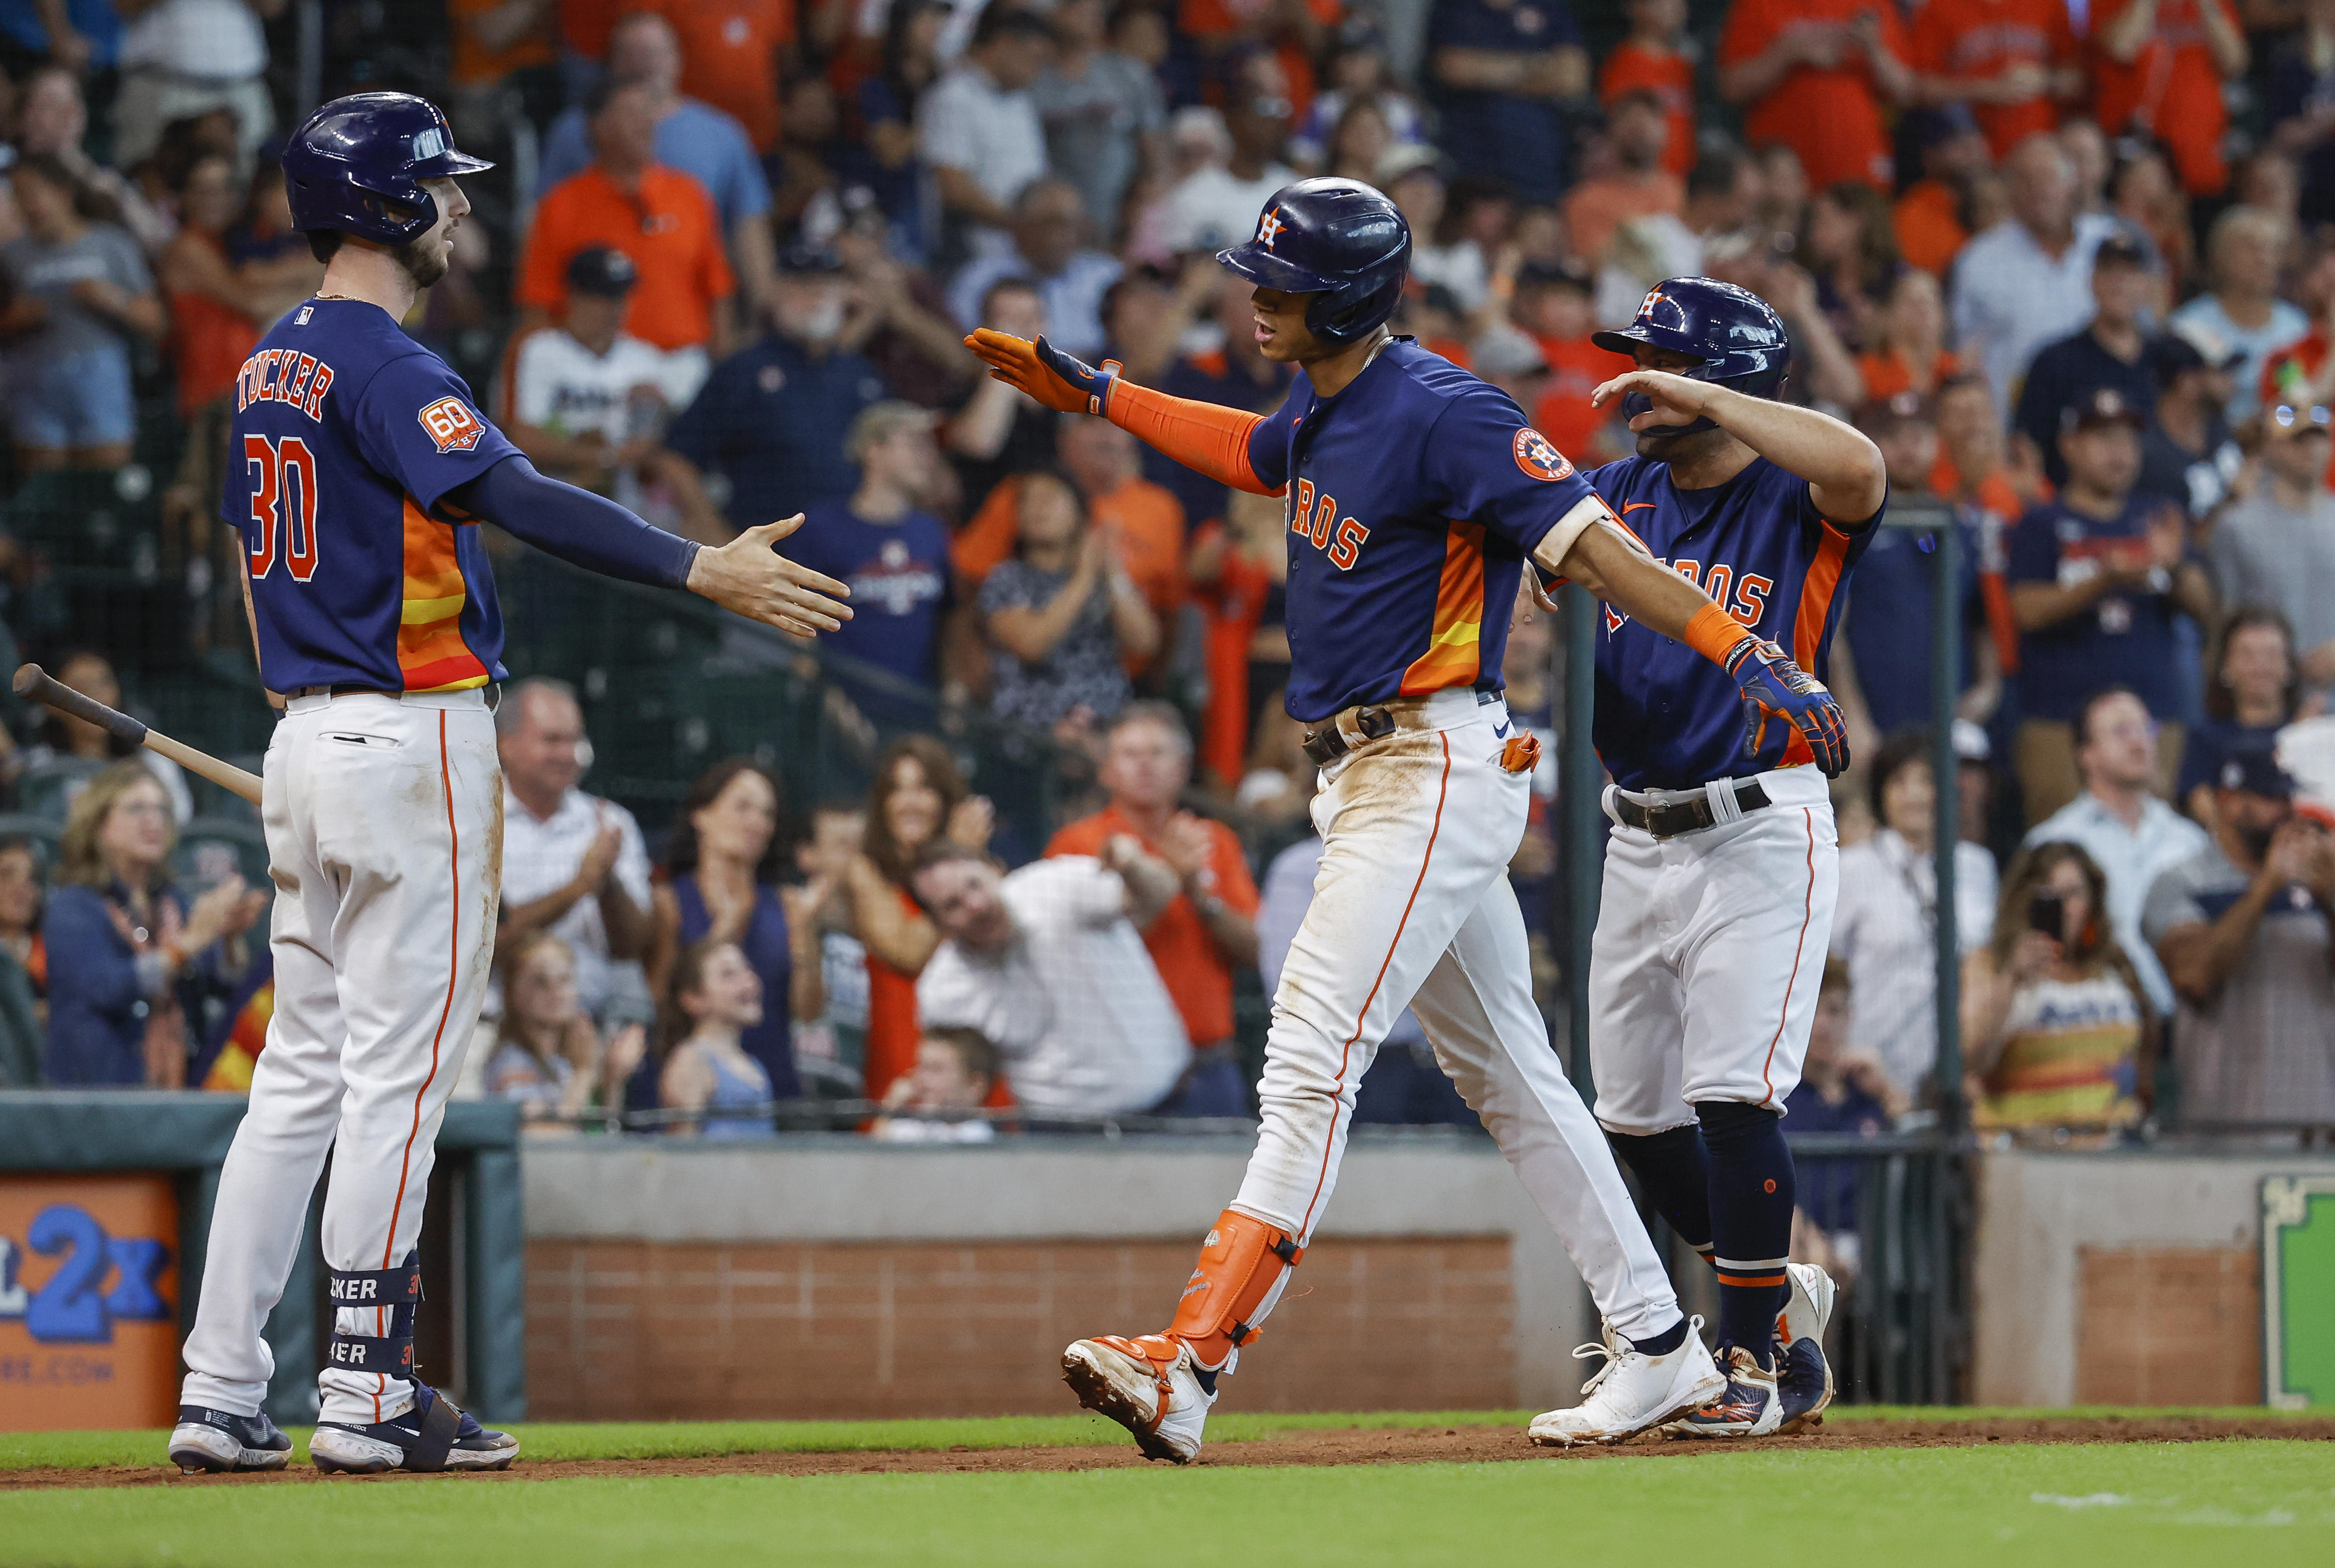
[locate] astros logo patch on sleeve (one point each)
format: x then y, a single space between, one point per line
452 425
1539 456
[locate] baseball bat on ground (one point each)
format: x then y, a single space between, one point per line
35 683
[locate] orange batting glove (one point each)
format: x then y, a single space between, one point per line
1042 371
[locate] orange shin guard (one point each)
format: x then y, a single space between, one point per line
1241 1264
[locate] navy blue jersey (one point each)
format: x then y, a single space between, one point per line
898 574
347 434
1888 620
2124 638
1414 497
1667 717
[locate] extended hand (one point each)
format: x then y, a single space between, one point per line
1778 691
1677 401
1040 371
751 578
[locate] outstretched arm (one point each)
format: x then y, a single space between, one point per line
1846 478
746 575
1206 437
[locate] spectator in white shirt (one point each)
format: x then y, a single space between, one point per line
2133 837
1216 207
978 128
2026 281
1049 962
187 57
589 403
1885 926
573 864
2243 308
1050 250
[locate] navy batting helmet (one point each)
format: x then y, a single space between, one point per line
1338 240
358 163
1737 336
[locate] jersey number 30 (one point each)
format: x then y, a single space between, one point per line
283 505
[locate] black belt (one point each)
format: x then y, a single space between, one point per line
1688 816
1327 744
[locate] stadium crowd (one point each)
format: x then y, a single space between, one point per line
2073 268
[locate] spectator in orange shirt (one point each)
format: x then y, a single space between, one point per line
659 216
2014 61
1144 520
1909 350
1652 59
1557 306
1973 466
1634 184
1815 75
730 52
1208 929
1931 217
2157 69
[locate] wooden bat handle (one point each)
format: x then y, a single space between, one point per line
36 683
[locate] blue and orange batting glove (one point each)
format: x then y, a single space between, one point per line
1778 691
1046 373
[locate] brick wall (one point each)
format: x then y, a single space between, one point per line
651 1330
2168 1326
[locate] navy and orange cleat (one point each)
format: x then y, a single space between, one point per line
1748 1406
1804 1378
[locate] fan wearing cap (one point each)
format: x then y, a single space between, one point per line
588 402
2110 351
2187 455
773 417
1417 492
2276 546
2096 575
2241 927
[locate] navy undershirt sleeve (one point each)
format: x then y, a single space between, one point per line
575 525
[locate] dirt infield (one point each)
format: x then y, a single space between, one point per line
1451 1444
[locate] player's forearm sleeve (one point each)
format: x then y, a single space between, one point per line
578 525
1206 437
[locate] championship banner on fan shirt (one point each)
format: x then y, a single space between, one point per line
88 1313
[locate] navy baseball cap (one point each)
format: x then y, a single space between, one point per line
602 270
2255 771
2100 406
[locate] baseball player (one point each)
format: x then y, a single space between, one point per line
1416 494
361 466
1721 868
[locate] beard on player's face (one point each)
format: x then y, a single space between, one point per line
1666 444
427 258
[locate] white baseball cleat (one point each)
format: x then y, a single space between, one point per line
1804 1378
1147 1385
1632 1391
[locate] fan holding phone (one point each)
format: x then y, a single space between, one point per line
2057 1031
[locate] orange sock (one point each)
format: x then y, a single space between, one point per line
1241 1262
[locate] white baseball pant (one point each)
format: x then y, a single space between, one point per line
1709 953
1413 907
384 841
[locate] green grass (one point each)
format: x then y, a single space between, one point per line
2267 1504
699 1439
